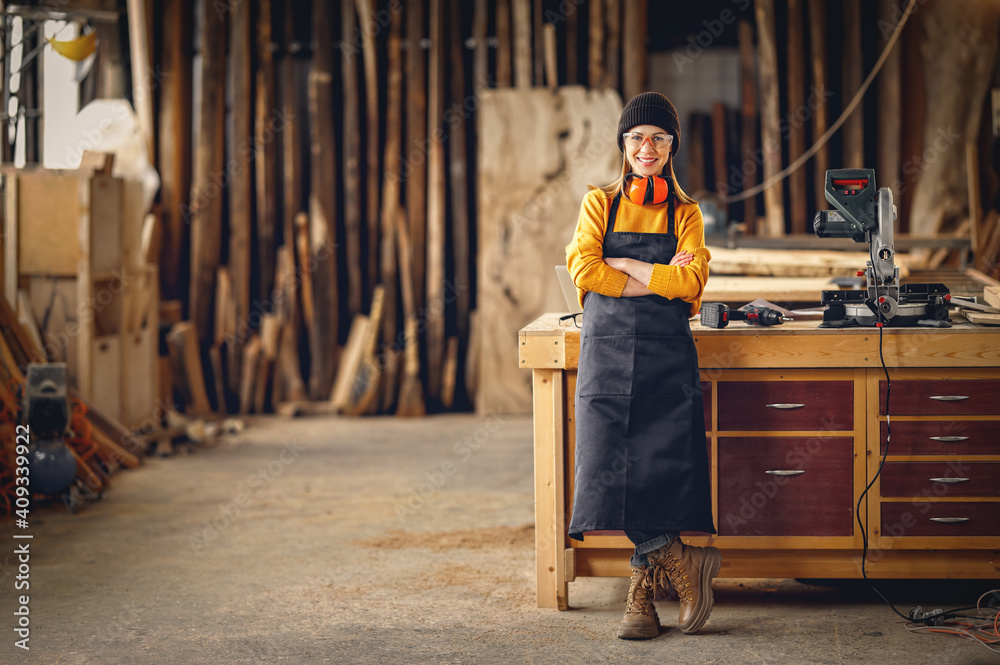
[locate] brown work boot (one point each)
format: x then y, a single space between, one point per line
640 621
690 571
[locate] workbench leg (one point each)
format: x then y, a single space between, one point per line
550 495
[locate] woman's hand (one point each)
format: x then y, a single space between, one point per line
681 259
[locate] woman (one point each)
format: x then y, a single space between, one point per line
639 260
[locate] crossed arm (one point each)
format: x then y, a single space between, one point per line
639 272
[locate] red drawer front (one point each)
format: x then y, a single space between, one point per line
817 502
827 405
939 479
915 398
940 519
950 437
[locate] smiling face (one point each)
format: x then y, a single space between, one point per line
645 159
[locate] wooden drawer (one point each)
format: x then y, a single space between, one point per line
944 437
940 519
941 479
794 405
814 497
946 397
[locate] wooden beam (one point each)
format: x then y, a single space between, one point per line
206 198
612 41
817 56
240 188
265 157
324 339
503 65
391 206
595 66
291 140
800 221
415 163
461 222
352 156
522 42
537 32
366 18
851 77
767 53
175 138
572 41
142 93
182 341
890 103
749 164
634 49
435 278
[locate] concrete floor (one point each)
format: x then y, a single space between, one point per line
385 540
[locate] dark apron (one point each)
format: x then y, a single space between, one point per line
641 456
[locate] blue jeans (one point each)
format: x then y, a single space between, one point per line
646 542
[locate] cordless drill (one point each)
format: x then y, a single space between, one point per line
718 315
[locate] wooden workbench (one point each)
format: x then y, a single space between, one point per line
786 478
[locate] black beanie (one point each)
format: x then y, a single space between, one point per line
650 108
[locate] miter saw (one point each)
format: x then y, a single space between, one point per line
866 214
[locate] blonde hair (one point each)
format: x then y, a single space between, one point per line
668 172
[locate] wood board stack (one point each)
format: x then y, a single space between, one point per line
76 269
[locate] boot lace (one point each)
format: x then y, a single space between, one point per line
668 570
640 592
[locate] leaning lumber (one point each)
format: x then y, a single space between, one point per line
182 340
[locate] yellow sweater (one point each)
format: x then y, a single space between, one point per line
585 253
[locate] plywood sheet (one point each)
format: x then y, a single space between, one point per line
47 217
544 149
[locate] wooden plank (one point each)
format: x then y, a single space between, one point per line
801 220
142 94
890 103
11 187
363 393
41 249
391 208
972 178
291 134
206 199
550 563
415 164
265 151
770 118
748 126
183 343
503 64
352 153
350 362
270 336
853 131
817 57
612 41
240 188
595 65
782 263
110 450
982 318
324 340
288 383
537 33
522 42
106 391
411 391
248 380
225 306
215 358
551 66
84 341
461 220
572 41
174 149
719 161
449 373
435 241
366 17
27 320
633 49
991 294
480 52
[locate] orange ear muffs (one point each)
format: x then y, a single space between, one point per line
649 190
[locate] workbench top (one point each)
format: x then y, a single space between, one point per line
548 343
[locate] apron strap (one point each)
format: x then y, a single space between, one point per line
612 214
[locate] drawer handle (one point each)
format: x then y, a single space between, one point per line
784 406
785 472
949 439
950 520
949 398
949 481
